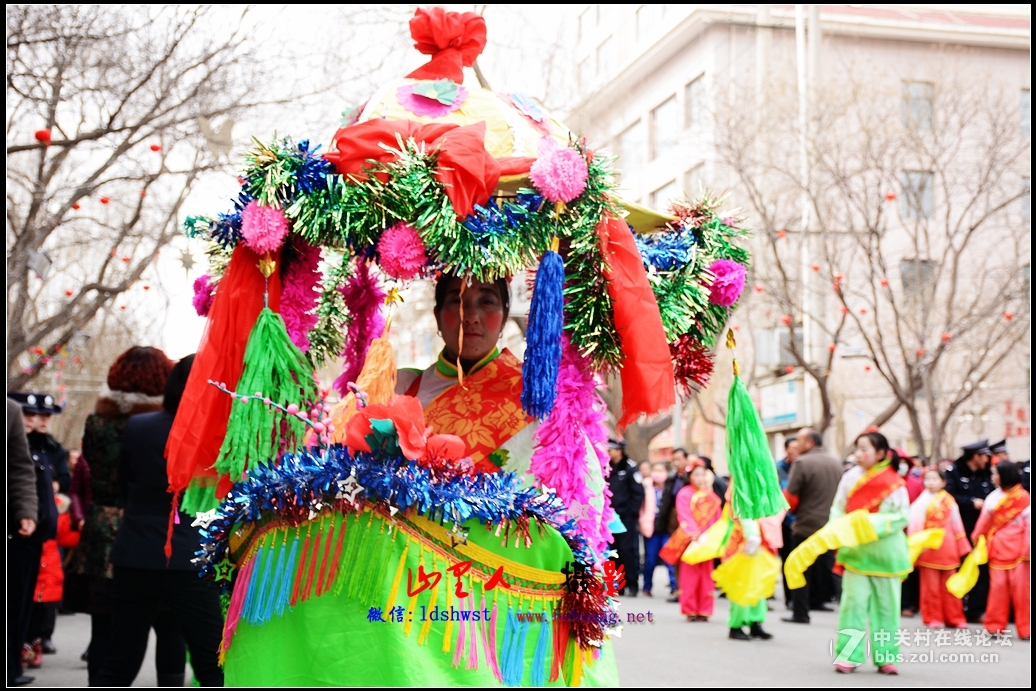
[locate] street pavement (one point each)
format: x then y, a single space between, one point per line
670 651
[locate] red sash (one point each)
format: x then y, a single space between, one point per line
1014 502
938 511
873 488
485 411
704 505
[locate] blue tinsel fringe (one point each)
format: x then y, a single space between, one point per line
543 338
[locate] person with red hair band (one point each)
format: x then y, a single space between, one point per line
1005 523
135 384
936 508
697 507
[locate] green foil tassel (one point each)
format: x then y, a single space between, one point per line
276 369
757 492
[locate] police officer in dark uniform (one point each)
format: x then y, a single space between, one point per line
627 497
37 409
23 553
970 482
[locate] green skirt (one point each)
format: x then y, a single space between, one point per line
401 601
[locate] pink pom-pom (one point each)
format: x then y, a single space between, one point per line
728 283
559 173
204 294
292 409
299 294
263 227
401 252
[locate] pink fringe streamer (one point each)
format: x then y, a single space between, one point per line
364 297
489 642
237 601
559 460
299 295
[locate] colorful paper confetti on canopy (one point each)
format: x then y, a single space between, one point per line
313 514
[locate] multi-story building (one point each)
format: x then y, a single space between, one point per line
653 82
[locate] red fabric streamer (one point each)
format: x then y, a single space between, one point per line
466 169
648 385
453 39
201 420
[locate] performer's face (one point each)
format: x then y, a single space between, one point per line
477 313
932 482
866 455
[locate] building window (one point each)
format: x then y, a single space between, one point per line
916 203
660 197
604 57
631 150
693 104
1025 113
694 181
647 19
587 22
917 106
586 75
918 277
664 127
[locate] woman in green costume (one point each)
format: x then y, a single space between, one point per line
414 603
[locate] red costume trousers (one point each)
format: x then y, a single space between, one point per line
696 589
938 605
1008 587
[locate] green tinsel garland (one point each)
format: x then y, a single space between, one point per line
327 337
275 369
588 306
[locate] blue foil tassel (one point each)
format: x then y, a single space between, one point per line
286 581
249 610
264 586
539 658
543 337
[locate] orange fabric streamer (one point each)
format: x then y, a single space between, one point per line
201 420
648 385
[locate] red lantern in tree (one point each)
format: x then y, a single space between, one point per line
920 352
1008 316
947 337
836 287
69 293
759 288
123 308
831 347
884 281
890 196
839 278
781 234
156 147
147 287
815 267
125 260
104 200
863 310
43 136
75 206
143 192
786 319
789 369
866 368
843 309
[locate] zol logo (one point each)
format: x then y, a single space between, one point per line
848 641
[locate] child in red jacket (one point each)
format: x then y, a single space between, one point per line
49 585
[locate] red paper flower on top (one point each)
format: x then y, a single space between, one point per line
453 39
